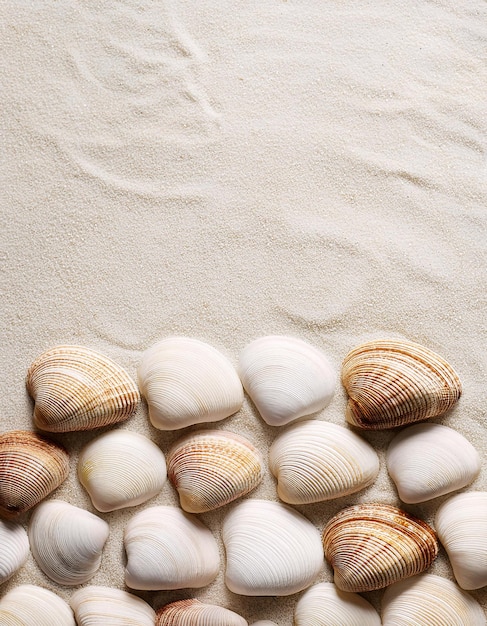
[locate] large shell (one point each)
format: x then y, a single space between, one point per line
195 613
286 378
429 460
186 381
31 467
315 461
75 388
120 469
169 549
272 550
29 605
371 546
211 468
104 606
14 548
394 382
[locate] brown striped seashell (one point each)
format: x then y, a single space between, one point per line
195 613
396 382
371 546
31 467
75 388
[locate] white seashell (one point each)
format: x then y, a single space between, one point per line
272 550
429 460
104 606
14 548
192 612
315 461
461 524
326 605
169 549
29 605
286 378
121 468
186 381
264 622
67 541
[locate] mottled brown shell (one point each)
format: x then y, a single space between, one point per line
195 613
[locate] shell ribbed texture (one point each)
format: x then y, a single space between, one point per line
29 605
105 606
195 613
14 548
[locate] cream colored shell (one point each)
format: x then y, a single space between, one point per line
29 605
14 548
105 606
195 613
264 622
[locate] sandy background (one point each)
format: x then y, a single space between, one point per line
226 170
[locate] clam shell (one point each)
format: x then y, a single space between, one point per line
315 461
429 460
29 605
394 382
186 381
31 467
104 606
120 469
272 550
211 468
371 546
195 613
169 549
14 548
286 378
75 388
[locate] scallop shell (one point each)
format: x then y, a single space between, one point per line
371 546
104 606
186 381
394 382
461 524
169 549
75 388
121 468
272 550
429 460
211 468
315 461
29 605
31 467
195 613
14 549
286 378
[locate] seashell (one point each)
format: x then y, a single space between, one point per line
29 605
429 600
393 382
104 606
286 378
264 622
31 467
211 468
121 468
186 381
195 613
461 524
272 550
315 461
429 460
326 605
371 546
75 388
67 542
169 549
14 544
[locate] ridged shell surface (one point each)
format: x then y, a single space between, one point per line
286 378
14 548
121 468
186 381
75 388
105 606
429 460
195 613
392 382
315 461
29 605
31 467
212 468
271 549
371 546
169 549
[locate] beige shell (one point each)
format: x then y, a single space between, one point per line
14 548
31 467
75 388
105 606
395 382
371 546
195 613
29 605
211 468
264 622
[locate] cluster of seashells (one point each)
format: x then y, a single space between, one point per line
271 549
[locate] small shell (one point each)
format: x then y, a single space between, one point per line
371 546
104 606
429 460
195 613
286 378
186 381
272 550
75 388
211 468
394 382
169 549
28 605
315 461
31 467
14 549
121 468
461 523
